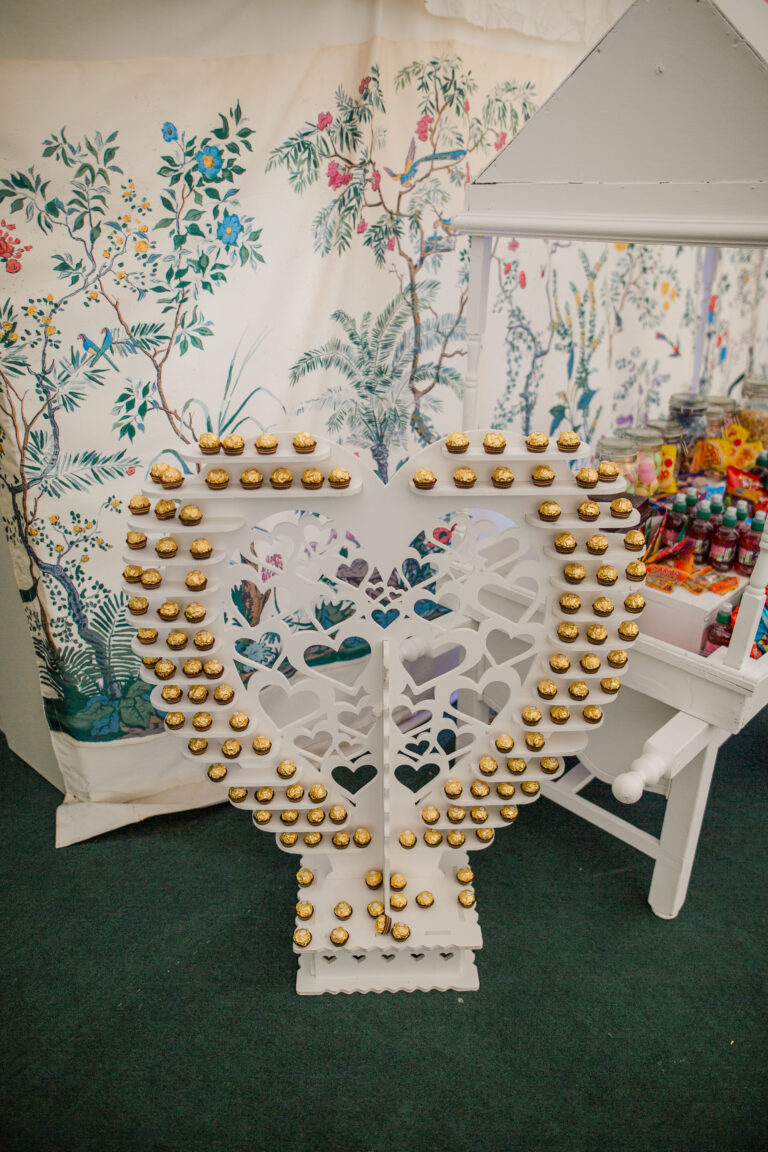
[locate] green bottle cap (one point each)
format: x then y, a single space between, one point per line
723 615
730 519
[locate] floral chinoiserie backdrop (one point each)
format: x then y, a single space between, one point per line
234 245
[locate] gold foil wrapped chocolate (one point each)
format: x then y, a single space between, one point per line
374 878
407 839
430 815
164 669
537 442
535 741
238 721
340 839
549 764
504 742
487 765
478 814
237 795
174 720
312 839
132 573
592 714
171 693
453 789
588 510
597 545
565 543
260 744
266 444
484 835
634 541
217 772
312 479
530 787
289 816
230 749
304 909
400 932
424 479
342 910
288 839
304 877
457 443
508 812
505 789
455 838
602 606
559 663
628 630
559 714
465 875
398 901
432 838
375 909
315 816
209 443
425 899
502 478
587 477
597 633
168 611
265 795
617 658
464 477
543 476
302 937
516 765
262 816
634 602
202 721
286 769
361 837
589 662
494 443
383 924
479 789
547 689
466 898
531 715
337 814
578 690
456 814
610 685
192 667
574 573
549 511
568 632
607 471
621 508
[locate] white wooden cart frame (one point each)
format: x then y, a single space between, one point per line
657 183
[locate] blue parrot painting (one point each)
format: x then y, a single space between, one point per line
411 163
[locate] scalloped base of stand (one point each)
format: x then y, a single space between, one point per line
433 969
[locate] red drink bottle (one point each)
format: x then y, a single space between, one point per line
718 635
700 531
724 543
749 546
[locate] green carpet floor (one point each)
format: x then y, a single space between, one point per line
149 996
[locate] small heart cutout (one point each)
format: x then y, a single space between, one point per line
384 619
353 573
316 744
264 651
418 749
414 779
447 955
387 956
353 780
417 955
329 959
416 573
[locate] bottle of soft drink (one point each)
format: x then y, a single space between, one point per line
674 525
691 500
717 634
749 546
724 543
700 532
716 517
742 512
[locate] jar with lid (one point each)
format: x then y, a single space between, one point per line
720 414
691 412
623 452
753 413
648 442
672 437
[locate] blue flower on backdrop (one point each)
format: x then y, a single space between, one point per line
169 132
229 229
209 161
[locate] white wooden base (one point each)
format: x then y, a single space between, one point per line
339 970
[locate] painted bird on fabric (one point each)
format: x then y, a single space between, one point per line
675 347
108 345
411 163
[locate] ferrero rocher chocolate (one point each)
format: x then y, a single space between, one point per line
251 478
217 478
508 812
136 540
478 814
484 835
150 661
537 442
597 633
286 769
265 795
634 602
494 443
502 477
487 765
304 442
588 510
635 570
590 662
425 899
238 721
304 877
464 477
337 814
202 721
166 547
176 640
542 476
137 605
209 443
457 442
190 515
407 839
294 793
340 839
430 815
424 479
610 685
288 839
465 875
549 764
168 611
233 445
505 789
586 477
157 470
339 478
504 742
342 910
132 573
223 694
172 477
565 543
549 511
375 909
398 901
230 749
592 714
516 765
383 923
312 839
617 658
479 789
289 816
531 715
568 441
455 838
237 795
597 545
467 898
530 787
266 444
559 663
374 878
578 690
171 693
361 837
602 606
456 814
568 632
203 640
262 816
621 508
400 932
195 581
200 549
304 909
547 689
164 669
535 741
628 630
192 667
217 771
607 574
432 837
634 541
302 937
315 816
260 744
281 478
138 505
559 714
397 881
312 479
607 471
570 602
574 573
317 793
146 635
174 720
453 789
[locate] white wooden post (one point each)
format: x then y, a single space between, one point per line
739 650
477 305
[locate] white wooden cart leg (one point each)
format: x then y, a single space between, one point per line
686 801
477 308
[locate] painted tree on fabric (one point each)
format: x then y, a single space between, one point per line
146 276
404 218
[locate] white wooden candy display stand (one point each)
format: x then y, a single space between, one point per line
404 632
